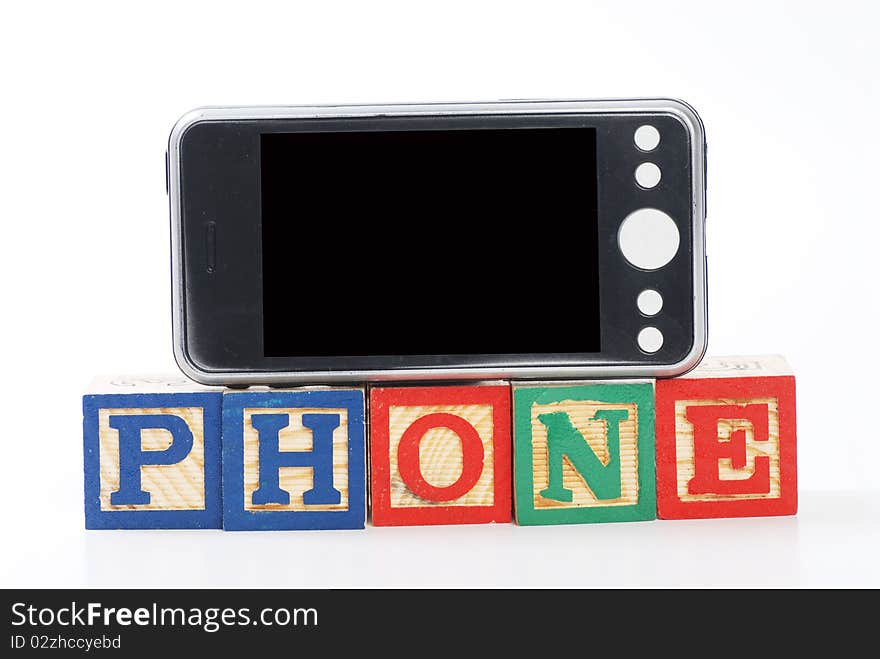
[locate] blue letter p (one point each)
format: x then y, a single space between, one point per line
132 457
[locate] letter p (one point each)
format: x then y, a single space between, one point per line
132 457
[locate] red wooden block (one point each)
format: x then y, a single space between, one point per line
726 440
440 455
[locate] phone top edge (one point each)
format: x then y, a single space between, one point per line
677 107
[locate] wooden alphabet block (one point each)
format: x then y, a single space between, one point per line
440 455
294 459
151 454
583 452
726 440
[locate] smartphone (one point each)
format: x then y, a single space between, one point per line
520 239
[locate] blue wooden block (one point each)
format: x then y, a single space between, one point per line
294 460
152 454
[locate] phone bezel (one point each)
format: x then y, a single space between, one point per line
526 366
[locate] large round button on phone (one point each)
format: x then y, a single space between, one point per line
648 238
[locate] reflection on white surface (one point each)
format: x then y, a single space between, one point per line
833 542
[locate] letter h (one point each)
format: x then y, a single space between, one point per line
272 459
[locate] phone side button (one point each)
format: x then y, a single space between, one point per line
705 180
166 173
211 247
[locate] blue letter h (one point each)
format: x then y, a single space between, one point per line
320 459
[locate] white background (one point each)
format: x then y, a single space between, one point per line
789 95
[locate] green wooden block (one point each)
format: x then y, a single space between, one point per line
584 452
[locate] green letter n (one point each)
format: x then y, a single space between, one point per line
564 441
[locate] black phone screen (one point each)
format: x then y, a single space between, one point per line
430 242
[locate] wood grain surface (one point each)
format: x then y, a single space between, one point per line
440 454
295 480
581 413
684 449
178 486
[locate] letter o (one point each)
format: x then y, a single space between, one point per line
409 466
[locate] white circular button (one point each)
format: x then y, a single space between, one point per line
649 302
650 339
648 238
647 175
646 138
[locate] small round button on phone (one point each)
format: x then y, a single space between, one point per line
650 340
648 238
647 175
646 137
649 302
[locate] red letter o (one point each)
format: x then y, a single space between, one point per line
471 459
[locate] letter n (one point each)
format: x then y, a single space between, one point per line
584 453
565 442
